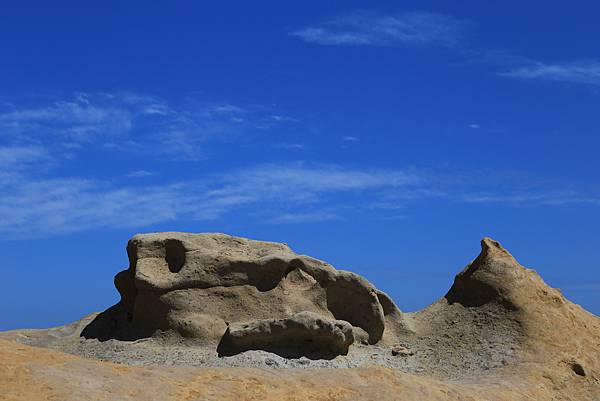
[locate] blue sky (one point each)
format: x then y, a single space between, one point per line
384 137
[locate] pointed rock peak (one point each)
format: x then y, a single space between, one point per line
490 276
492 257
491 248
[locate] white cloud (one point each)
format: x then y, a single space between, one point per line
78 119
43 206
298 218
367 28
290 146
350 138
181 144
17 157
474 126
275 194
133 123
582 72
539 198
159 109
140 174
281 118
226 109
37 202
296 180
519 67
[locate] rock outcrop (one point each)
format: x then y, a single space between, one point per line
492 277
199 284
211 300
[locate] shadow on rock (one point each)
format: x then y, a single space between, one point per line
113 324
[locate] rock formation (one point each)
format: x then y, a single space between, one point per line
211 300
199 284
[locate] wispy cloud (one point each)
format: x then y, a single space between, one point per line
290 146
369 28
309 217
41 206
539 198
516 66
133 123
365 28
581 72
301 180
274 194
140 174
14 160
78 118
18 157
525 68
38 201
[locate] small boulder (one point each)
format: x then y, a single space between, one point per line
302 334
400 350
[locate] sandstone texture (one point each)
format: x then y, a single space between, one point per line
198 284
302 334
215 317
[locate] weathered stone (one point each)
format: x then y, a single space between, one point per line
196 284
500 332
303 334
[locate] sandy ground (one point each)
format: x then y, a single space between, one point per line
28 373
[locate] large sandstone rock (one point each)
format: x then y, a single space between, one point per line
303 334
199 284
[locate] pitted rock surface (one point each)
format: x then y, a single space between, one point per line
197 284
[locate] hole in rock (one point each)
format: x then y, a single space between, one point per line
577 369
174 255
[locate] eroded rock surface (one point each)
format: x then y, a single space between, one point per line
198 284
492 277
303 334
499 333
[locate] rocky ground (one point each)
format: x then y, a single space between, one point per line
441 356
500 333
